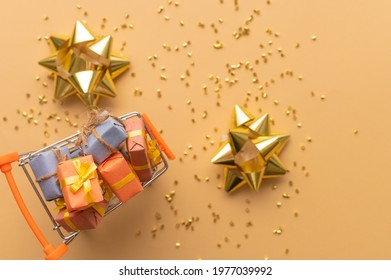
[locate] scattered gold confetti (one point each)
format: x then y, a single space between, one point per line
218 45
177 244
158 216
170 196
355 131
277 231
286 195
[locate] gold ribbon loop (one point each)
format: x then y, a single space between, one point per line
153 152
108 194
101 211
68 221
137 132
60 204
141 167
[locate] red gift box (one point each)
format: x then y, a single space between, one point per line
88 218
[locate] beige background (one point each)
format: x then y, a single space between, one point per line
343 203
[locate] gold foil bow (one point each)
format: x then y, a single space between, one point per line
84 65
250 154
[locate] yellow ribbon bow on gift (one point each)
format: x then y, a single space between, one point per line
85 171
60 204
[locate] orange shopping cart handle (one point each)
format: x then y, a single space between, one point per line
51 252
160 141
7 159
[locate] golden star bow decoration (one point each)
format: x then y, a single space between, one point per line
84 65
251 151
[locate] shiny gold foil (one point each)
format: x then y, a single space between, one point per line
251 152
84 65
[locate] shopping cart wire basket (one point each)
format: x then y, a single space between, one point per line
52 252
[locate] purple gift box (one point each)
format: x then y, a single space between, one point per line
111 132
44 168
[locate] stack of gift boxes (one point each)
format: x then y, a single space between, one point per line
112 158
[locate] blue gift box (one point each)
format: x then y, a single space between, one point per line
45 165
112 132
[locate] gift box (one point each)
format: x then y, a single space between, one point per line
120 177
104 139
154 153
137 148
88 218
79 183
44 168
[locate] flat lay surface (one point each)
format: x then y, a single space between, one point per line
319 69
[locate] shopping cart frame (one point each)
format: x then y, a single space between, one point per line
6 161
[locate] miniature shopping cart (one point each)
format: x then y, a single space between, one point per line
6 160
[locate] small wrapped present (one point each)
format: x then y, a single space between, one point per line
79 183
120 177
44 167
154 153
88 218
137 148
102 135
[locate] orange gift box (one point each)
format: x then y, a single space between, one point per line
79 183
137 148
88 218
120 177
